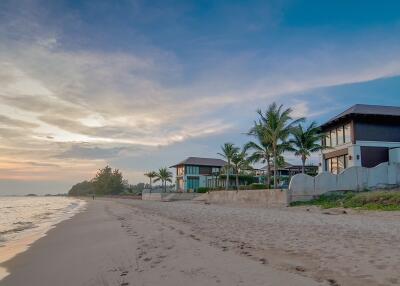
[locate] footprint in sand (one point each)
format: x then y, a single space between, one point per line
194 237
333 282
147 259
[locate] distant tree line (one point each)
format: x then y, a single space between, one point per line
107 181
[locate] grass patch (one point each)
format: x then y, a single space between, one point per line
369 200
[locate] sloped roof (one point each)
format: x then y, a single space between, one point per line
212 162
287 166
366 109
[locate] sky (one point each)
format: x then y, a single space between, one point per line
140 85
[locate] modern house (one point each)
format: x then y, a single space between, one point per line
363 135
194 172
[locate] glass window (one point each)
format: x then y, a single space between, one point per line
328 165
347 135
192 170
333 138
328 139
341 164
334 165
340 135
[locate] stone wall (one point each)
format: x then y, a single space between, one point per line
166 197
263 198
303 187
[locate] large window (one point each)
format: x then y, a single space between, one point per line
192 170
336 165
347 134
328 139
333 138
338 136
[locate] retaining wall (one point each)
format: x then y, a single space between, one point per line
303 187
166 197
265 198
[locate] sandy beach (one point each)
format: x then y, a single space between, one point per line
127 242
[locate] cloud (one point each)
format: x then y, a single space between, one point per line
91 152
15 123
79 106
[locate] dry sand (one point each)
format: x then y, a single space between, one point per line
126 242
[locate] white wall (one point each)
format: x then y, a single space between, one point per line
394 155
303 187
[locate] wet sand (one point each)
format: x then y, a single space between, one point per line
127 242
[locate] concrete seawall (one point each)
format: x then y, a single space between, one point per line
166 197
303 187
263 198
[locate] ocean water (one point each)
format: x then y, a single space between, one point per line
22 215
23 220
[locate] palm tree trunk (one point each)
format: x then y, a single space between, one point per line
268 172
303 166
237 180
150 186
227 175
275 171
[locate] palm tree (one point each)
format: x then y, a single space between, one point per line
240 162
151 175
278 126
262 149
306 141
164 175
228 152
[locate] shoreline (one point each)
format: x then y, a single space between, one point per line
10 249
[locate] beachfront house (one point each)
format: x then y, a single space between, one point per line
363 135
195 172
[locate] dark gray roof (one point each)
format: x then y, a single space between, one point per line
287 166
212 162
366 109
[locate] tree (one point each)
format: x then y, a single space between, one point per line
228 152
306 141
240 162
278 126
262 148
108 181
164 175
81 189
151 175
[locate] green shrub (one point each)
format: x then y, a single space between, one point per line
379 200
203 190
255 186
